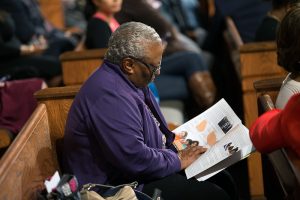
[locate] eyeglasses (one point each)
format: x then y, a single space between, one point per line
154 69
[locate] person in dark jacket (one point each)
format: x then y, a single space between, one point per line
32 27
19 60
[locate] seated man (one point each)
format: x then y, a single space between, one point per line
115 132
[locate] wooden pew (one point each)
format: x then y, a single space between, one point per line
252 62
285 162
271 86
32 158
233 43
53 11
77 66
258 61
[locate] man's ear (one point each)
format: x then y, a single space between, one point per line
127 66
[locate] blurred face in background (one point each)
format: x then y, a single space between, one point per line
108 7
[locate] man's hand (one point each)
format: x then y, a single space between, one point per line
189 155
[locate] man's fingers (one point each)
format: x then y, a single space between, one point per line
198 149
189 155
201 150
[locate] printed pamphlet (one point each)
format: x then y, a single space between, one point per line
221 131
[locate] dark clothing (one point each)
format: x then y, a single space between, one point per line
176 68
247 15
30 66
97 34
24 27
111 137
173 64
175 72
182 13
9 49
177 187
9 43
30 24
172 87
267 30
16 66
148 15
141 11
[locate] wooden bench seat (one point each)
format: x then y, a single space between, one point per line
258 61
77 66
32 158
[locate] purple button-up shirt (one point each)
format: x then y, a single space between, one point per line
111 137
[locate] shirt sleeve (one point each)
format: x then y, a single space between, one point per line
278 128
120 136
264 134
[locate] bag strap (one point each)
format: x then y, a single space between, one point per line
89 186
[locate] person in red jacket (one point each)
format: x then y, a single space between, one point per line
278 128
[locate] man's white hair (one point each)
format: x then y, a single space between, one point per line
130 39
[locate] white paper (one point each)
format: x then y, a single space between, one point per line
53 182
220 130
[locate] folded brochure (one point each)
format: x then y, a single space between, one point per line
221 131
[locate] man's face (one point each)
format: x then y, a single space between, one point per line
144 71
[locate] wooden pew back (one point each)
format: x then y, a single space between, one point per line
77 66
53 11
258 61
271 86
252 61
58 101
233 43
28 161
32 158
